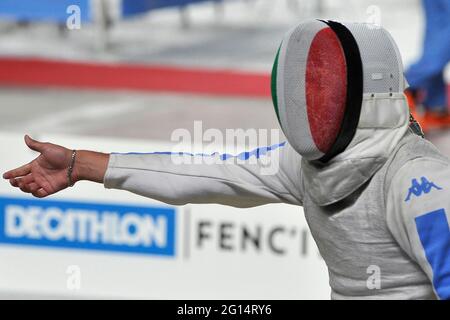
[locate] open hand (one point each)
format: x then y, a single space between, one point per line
44 175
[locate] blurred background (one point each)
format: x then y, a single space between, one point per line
121 75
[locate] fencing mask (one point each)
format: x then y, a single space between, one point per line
322 71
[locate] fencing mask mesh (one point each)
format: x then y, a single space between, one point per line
321 72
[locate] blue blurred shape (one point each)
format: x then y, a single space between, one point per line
43 10
133 7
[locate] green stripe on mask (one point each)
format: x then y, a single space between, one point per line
274 84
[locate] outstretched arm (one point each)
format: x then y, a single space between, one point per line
165 177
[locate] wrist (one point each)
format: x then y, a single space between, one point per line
90 166
77 173
70 178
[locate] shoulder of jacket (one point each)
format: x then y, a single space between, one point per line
411 148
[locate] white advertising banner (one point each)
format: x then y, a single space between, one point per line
90 242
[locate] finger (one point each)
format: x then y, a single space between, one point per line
18 172
14 182
33 187
24 187
26 184
28 187
40 193
26 179
34 144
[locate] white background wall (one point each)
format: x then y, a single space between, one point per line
205 272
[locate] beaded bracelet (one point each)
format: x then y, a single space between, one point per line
70 169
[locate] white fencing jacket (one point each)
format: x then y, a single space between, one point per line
381 206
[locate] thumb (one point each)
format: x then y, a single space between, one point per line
33 144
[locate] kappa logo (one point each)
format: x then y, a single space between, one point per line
418 189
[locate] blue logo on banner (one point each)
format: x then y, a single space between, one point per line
90 226
423 187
